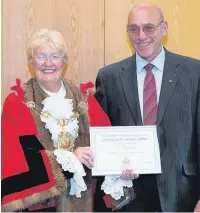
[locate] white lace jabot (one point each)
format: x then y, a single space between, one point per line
62 108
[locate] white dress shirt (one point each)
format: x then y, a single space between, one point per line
157 70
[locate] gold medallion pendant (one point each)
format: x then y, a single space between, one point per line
65 141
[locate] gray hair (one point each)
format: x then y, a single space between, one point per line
44 37
150 5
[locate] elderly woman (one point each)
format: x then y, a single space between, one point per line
45 136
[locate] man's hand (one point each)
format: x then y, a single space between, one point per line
85 156
128 174
197 207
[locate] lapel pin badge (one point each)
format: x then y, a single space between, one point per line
170 81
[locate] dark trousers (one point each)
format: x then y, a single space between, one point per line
147 198
50 209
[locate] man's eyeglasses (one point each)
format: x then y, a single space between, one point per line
42 58
148 29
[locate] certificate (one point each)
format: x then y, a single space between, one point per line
125 147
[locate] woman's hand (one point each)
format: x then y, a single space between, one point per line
85 156
128 174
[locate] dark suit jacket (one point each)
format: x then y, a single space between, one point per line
178 122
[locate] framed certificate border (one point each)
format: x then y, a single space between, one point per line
104 163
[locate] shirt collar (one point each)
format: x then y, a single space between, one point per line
61 91
158 62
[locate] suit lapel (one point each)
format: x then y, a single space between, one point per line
128 78
172 70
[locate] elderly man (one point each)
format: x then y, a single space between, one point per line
157 87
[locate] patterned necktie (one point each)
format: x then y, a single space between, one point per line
150 107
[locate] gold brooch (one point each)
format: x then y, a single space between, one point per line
65 141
